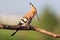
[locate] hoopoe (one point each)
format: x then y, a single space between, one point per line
27 18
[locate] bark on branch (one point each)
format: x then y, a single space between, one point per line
14 27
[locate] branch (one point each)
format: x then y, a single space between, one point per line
47 32
14 27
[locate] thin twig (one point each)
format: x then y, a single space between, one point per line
47 32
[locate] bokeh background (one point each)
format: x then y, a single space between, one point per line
11 12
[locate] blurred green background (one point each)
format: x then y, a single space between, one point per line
48 21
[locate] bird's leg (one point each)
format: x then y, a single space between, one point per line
27 26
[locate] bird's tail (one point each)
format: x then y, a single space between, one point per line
14 33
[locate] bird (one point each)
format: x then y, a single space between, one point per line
27 18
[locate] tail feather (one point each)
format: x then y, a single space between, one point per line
14 33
